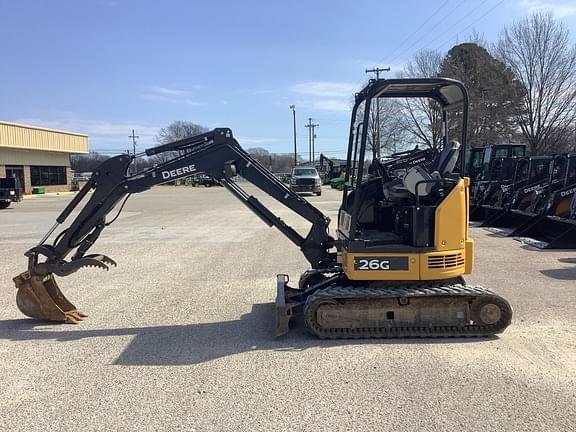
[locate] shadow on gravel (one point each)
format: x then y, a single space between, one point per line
560 274
536 249
198 343
567 260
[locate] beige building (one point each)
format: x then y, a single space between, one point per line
39 157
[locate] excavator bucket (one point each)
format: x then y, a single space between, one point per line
39 297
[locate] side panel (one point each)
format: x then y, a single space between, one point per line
469 256
426 266
443 265
381 266
452 219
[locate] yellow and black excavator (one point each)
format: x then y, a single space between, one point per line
395 268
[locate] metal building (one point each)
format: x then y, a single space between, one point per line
39 157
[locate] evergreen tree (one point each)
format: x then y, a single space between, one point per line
494 95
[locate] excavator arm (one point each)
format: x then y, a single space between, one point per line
215 153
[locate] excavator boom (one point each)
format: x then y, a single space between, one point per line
215 153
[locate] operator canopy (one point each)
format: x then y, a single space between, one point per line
447 92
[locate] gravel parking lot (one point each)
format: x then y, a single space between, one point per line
180 335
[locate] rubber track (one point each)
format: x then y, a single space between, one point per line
475 293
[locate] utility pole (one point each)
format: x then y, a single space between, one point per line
293 108
311 135
313 138
377 71
134 136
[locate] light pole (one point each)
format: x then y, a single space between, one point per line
293 108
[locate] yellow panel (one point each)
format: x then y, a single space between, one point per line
451 225
564 206
413 272
443 265
469 256
467 189
454 255
18 136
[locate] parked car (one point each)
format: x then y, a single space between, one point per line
203 180
10 191
305 179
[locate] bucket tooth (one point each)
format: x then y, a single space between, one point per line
40 297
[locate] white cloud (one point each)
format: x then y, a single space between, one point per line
169 91
102 134
333 104
325 89
256 140
325 95
560 10
171 95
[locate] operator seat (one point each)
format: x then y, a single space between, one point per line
443 166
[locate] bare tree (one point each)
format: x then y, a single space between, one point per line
278 163
539 52
175 131
178 130
393 136
87 163
477 38
423 117
391 132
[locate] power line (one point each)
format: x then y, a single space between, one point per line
418 29
438 36
427 33
473 22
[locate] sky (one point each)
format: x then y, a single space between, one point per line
104 67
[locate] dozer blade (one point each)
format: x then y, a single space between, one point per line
39 297
285 306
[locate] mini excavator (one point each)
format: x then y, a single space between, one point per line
395 268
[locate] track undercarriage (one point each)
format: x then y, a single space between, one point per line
337 308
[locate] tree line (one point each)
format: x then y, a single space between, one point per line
522 88
177 130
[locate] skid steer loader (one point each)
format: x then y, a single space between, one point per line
548 222
492 186
531 173
395 269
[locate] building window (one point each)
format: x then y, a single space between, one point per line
48 175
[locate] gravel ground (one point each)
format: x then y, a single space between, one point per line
180 335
